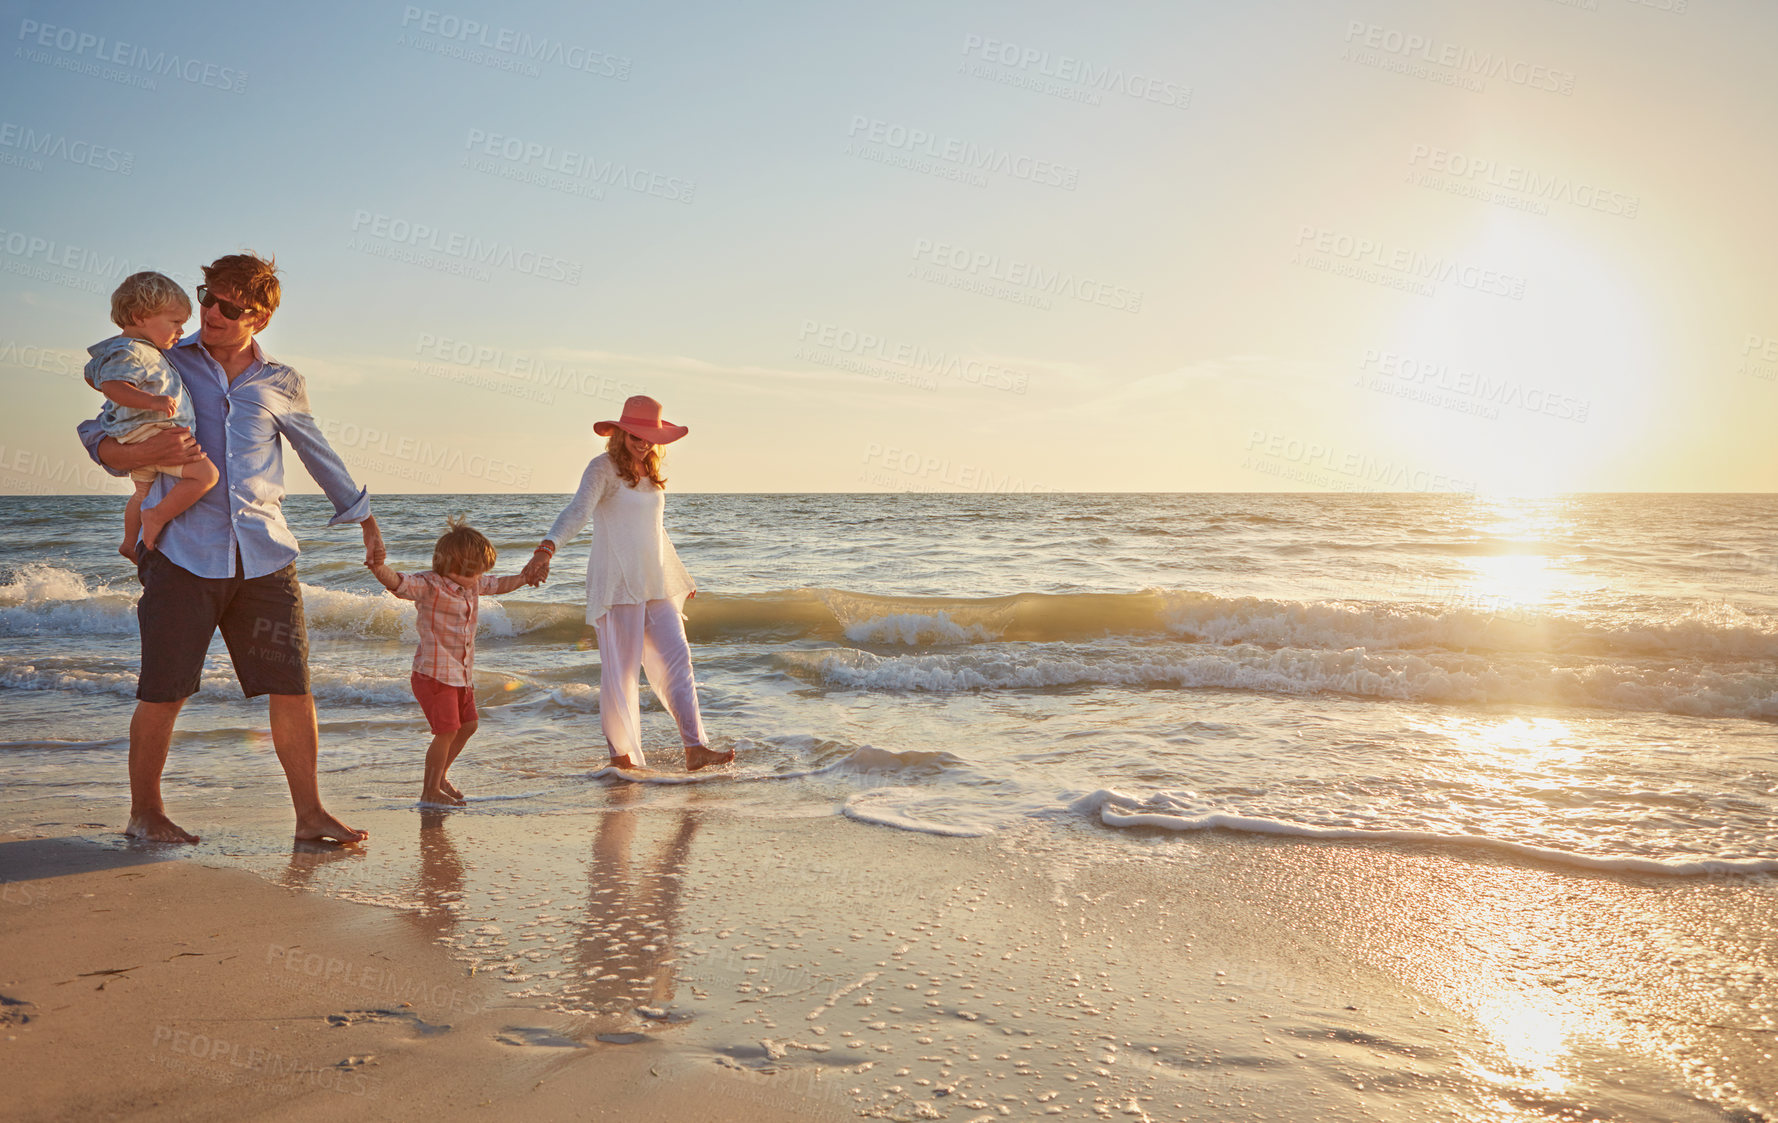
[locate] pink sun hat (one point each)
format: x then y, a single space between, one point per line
642 417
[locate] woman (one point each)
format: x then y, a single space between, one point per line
636 588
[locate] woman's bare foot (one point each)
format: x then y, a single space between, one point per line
322 827
153 522
622 762
157 828
702 756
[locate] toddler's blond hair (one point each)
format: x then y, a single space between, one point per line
463 550
143 294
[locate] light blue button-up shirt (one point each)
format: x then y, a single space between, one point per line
239 427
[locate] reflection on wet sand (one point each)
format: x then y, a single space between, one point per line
307 858
625 950
439 880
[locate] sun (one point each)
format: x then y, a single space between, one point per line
1542 394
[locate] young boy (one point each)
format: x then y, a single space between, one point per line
444 664
145 395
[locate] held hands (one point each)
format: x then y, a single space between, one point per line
536 571
374 554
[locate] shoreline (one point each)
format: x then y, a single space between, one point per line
659 962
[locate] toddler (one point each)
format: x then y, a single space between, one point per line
444 664
144 395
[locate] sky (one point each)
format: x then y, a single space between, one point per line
1518 247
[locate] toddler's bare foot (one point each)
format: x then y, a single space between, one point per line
153 522
701 756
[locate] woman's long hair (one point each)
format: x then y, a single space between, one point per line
627 467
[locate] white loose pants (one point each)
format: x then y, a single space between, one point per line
651 638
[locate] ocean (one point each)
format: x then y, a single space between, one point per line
1584 686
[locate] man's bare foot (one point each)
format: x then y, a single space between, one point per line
702 756
450 789
438 797
128 550
322 827
156 827
153 522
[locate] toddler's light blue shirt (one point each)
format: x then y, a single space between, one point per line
124 358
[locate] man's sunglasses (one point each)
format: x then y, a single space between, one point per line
230 310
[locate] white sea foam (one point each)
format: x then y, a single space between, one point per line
42 599
1711 631
1184 811
1745 691
359 687
650 776
913 628
46 600
914 809
342 612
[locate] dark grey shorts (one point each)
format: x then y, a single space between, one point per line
261 621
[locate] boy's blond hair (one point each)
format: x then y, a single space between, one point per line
143 294
463 550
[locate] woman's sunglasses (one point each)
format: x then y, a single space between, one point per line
230 310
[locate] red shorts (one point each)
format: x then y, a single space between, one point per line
447 708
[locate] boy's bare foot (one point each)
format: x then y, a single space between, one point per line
157 828
702 756
153 522
322 827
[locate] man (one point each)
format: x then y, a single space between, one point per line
228 562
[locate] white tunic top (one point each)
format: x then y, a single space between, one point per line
631 561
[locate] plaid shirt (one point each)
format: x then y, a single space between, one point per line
447 625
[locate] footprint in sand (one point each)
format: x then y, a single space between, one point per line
532 1035
403 1017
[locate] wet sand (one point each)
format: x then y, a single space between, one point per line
674 962
142 988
